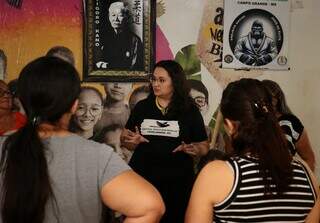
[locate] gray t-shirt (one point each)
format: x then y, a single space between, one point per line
78 169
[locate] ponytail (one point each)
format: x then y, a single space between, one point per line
275 157
26 187
26 183
258 133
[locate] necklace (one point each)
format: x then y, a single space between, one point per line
164 110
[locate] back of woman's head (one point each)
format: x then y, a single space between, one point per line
180 99
276 92
47 88
247 103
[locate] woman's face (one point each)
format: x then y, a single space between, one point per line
5 98
117 91
162 83
89 110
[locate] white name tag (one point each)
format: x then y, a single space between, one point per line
160 128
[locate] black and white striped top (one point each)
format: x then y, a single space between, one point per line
292 129
247 202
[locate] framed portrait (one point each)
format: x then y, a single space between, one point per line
119 40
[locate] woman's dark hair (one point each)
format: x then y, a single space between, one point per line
181 100
248 104
276 92
47 88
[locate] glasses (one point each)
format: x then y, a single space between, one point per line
201 101
153 80
93 110
4 93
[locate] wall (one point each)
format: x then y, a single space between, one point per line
38 26
301 84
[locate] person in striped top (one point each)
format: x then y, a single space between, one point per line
261 181
295 133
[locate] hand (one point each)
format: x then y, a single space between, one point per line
190 149
131 137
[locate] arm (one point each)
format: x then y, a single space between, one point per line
131 140
131 195
304 150
194 149
212 186
314 214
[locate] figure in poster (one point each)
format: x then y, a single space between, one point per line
88 113
115 110
3 64
63 53
138 94
122 49
256 48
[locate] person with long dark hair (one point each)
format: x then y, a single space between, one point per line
51 175
165 131
295 133
260 182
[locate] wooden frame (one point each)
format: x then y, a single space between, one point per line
125 56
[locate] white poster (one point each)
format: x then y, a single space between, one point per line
256 34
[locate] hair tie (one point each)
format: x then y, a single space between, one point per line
35 121
261 108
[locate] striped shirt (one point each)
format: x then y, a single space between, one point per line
247 202
292 129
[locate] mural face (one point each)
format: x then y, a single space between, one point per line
200 100
89 110
117 91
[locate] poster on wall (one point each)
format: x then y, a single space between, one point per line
119 40
256 34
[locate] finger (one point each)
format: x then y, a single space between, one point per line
144 139
192 153
137 130
179 148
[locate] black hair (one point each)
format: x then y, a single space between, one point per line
181 100
248 104
13 86
26 189
275 91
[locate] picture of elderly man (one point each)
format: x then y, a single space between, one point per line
122 48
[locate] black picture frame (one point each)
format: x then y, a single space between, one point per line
102 50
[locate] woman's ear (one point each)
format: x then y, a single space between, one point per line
74 106
230 126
